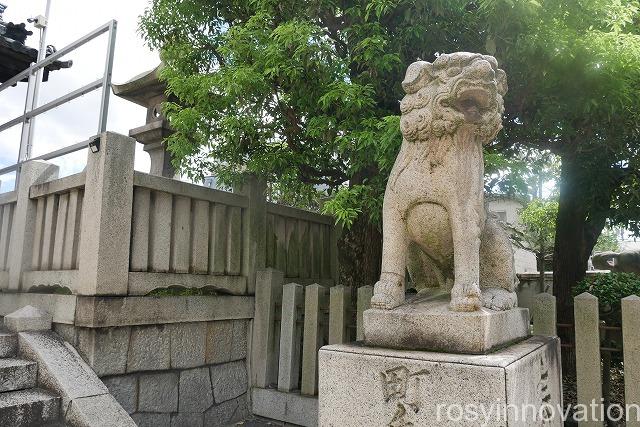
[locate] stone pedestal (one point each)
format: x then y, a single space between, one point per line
425 322
517 386
152 136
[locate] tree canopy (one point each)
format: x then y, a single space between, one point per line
306 94
574 72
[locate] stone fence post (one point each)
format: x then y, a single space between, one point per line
588 369
631 347
31 172
106 217
265 344
544 315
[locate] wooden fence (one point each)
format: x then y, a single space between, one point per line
291 323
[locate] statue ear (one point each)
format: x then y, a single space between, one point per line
417 74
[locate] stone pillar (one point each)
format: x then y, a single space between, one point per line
254 258
339 304
364 303
24 218
315 301
106 218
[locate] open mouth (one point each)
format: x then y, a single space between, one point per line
473 103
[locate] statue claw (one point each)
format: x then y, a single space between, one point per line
465 298
387 294
499 299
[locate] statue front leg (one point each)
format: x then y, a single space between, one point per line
388 292
465 226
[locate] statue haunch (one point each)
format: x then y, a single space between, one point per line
434 219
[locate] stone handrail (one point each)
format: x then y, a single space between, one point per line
58 186
301 214
110 230
9 197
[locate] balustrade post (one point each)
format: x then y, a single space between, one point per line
24 218
265 344
105 238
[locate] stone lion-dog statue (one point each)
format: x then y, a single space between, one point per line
434 218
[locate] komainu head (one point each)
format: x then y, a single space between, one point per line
456 91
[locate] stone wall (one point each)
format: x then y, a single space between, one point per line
169 361
178 374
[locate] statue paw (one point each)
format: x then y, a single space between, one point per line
499 299
465 298
387 294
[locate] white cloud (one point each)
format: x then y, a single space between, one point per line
77 120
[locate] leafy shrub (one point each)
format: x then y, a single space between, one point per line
610 288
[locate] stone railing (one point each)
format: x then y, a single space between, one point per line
301 244
112 231
186 234
57 223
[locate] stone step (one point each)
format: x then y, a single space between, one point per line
17 374
34 407
8 343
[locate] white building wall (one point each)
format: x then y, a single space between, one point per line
508 210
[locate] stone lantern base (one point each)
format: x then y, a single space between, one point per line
366 386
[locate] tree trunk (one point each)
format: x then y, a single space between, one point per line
360 247
360 251
578 227
569 257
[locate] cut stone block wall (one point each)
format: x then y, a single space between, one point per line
175 374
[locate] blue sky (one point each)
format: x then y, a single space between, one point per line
77 120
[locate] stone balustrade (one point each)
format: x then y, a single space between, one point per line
110 230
